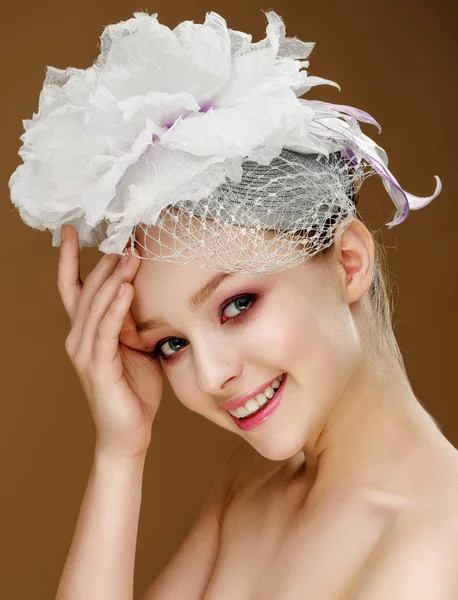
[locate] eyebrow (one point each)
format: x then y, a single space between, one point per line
195 302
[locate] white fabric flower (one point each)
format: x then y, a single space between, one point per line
168 115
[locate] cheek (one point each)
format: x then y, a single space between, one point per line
183 383
185 390
327 363
289 331
310 340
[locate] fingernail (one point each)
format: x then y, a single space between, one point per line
62 233
124 258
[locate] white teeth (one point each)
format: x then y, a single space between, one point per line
255 403
252 405
269 392
241 411
261 399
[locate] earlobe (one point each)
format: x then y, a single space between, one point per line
355 254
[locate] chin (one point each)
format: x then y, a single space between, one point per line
278 448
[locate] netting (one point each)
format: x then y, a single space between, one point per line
278 216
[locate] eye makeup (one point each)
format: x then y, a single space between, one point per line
157 353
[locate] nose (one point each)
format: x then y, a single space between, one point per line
215 363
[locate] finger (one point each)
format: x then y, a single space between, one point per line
94 281
102 302
129 335
69 281
106 344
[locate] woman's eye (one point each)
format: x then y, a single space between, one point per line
233 309
173 346
238 305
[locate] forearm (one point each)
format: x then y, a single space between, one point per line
100 562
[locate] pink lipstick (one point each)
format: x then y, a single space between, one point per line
263 413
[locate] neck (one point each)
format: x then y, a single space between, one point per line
378 435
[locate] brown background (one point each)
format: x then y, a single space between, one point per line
395 60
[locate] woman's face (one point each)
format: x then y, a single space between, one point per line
246 333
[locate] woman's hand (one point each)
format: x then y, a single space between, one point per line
122 385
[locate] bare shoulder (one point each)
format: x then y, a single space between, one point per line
416 558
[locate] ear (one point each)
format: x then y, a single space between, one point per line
354 252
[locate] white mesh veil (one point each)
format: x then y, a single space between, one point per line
279 215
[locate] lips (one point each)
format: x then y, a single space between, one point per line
264 413
243 399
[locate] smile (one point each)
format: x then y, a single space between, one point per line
258 409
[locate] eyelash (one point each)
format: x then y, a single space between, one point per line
157 353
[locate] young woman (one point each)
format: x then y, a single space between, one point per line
342 487
345 488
